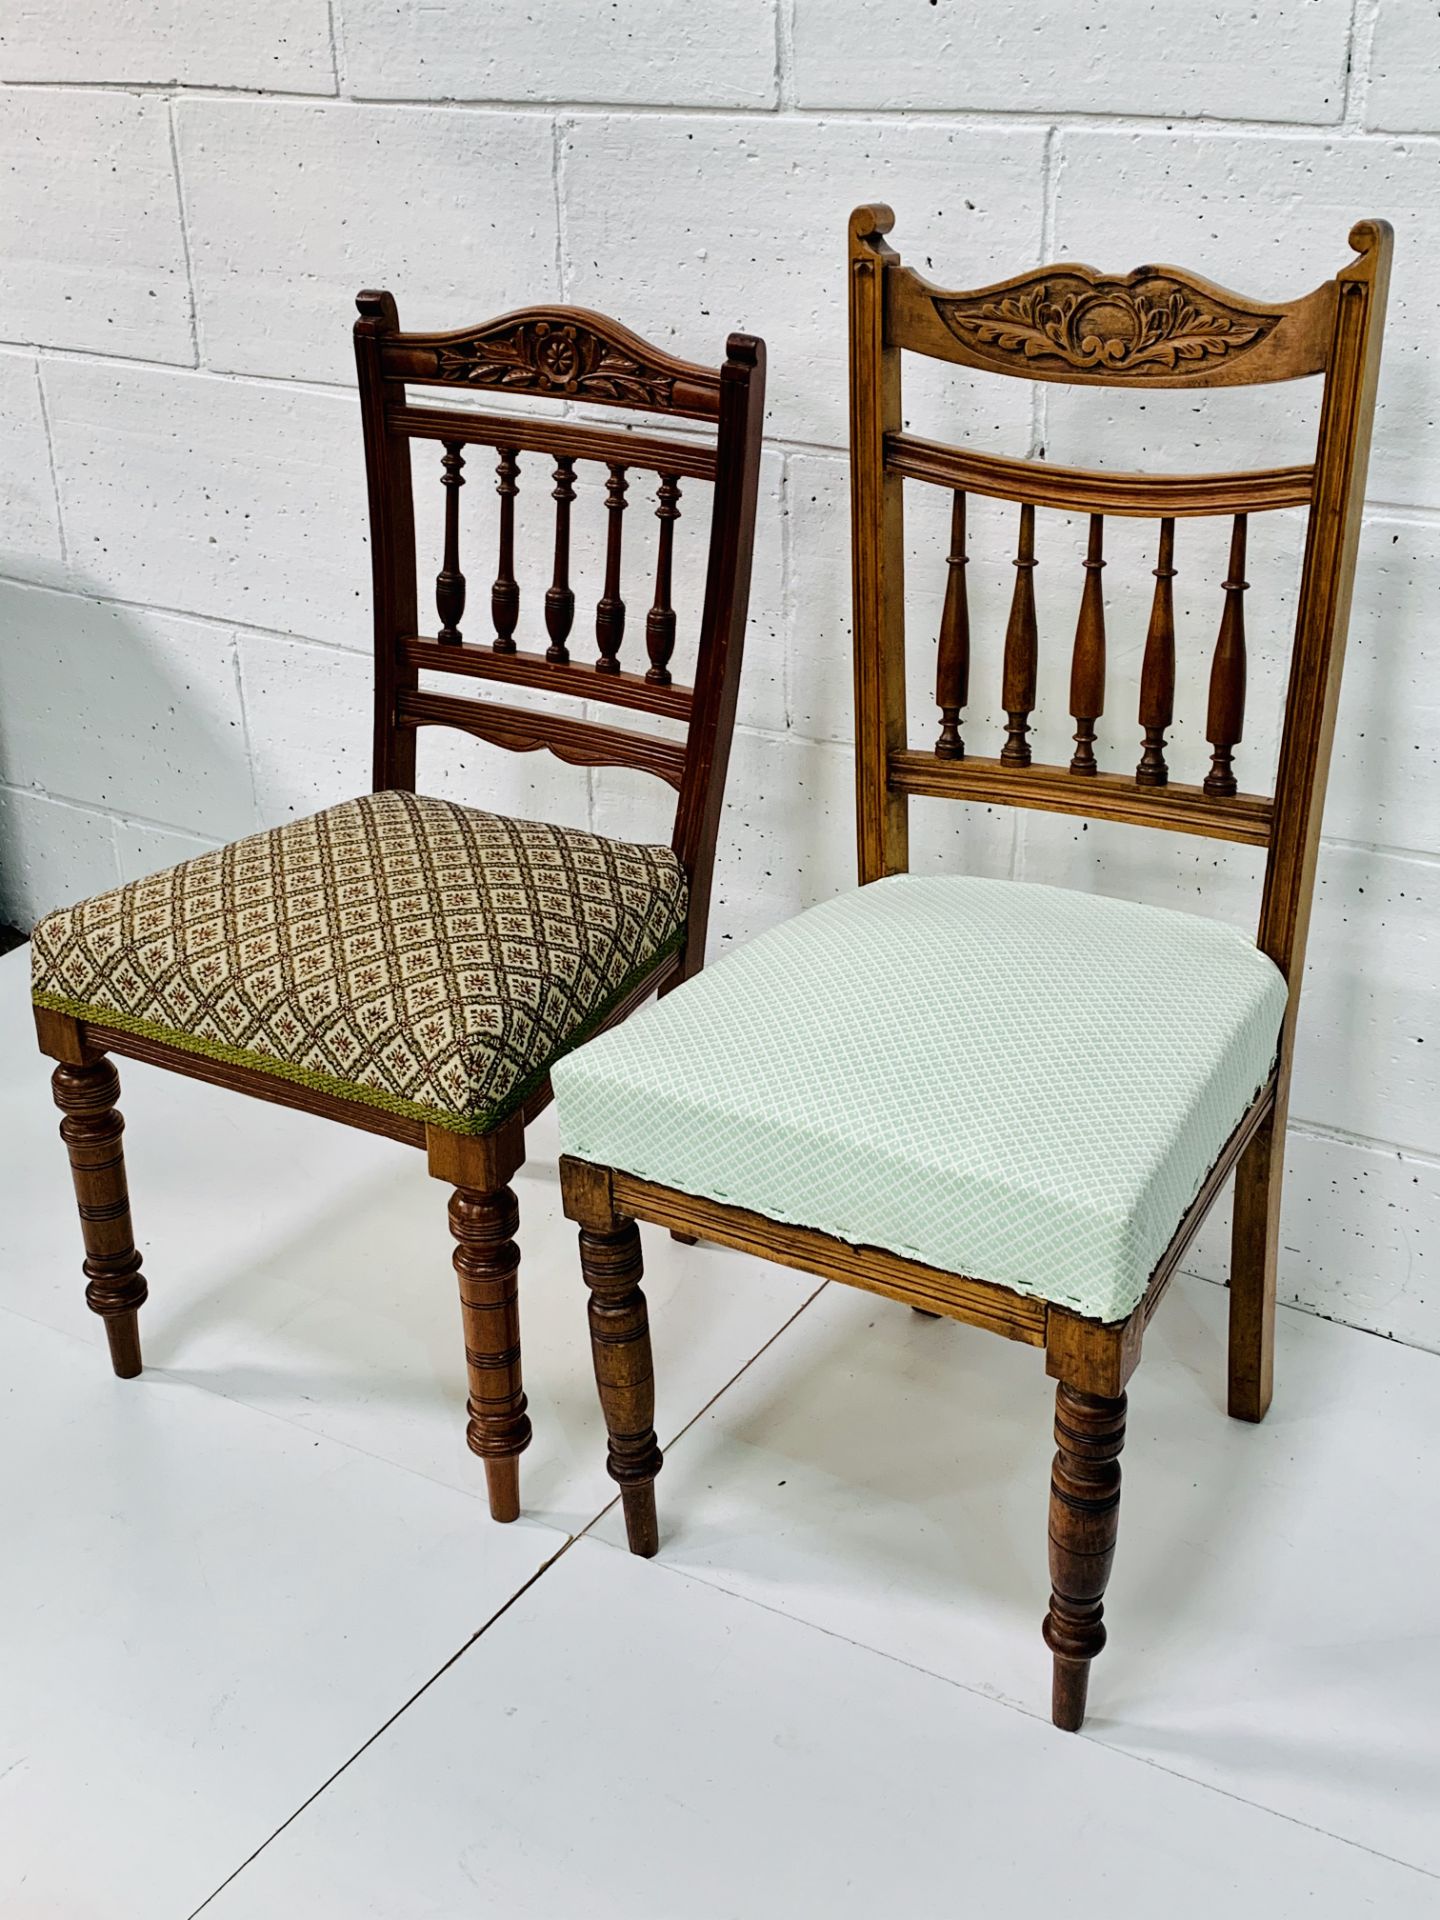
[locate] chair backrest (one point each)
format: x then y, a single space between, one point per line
571 354
1155 327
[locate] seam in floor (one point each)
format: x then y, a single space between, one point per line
718 1394
499 1612
386 1725
1029 1713
715 1586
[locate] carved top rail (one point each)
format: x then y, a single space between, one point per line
1146 496
1154 327
562 353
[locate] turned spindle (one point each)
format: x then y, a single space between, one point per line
1018 685
450 581
559 599
1157 672
660 621
505 594
952 665
1087 663
1225 721
610 612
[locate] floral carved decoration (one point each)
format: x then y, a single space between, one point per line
1146 324
559 357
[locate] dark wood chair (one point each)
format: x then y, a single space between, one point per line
405 965
1159 1060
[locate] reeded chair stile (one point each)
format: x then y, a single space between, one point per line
400 963
1010 1103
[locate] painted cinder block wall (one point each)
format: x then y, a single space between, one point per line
192 195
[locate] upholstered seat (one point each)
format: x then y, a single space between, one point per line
405 952
1019 1083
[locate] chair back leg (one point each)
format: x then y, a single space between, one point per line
1254 1245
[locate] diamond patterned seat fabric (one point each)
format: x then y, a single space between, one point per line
401 951
1018 1083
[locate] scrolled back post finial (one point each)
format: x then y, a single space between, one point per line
1368 236
744 350
377 310
871 221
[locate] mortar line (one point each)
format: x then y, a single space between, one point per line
237 668
335 27
1364 16
785 56
50 463
182 215
1173 123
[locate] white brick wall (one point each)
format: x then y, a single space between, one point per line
194 192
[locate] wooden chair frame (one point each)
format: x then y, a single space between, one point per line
1155 327
563 353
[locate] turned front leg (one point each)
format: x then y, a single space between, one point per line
487 1262
1084 1521
92 1130
624 1373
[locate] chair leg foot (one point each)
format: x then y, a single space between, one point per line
620 1346
92 1130
1084 1521
685 1239
1254 1243
502 1483
1070 1685
642 1525
487 1264
122 1330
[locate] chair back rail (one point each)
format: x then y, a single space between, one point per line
578 356
1157 326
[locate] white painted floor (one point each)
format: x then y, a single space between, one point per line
263 1653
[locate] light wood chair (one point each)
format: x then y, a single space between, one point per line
1011 1104
402 964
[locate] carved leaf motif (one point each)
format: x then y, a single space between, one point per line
1145 324
559 357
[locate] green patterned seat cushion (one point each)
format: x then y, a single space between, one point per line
1018 1083
406 952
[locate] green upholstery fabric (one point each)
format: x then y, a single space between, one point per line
1019 1083
402 951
